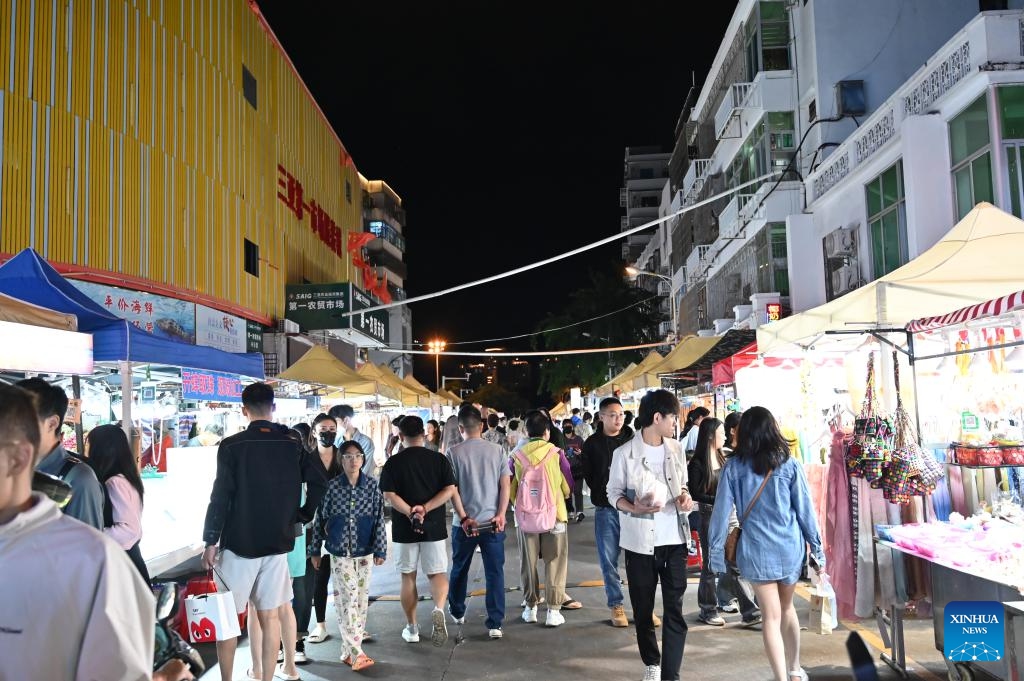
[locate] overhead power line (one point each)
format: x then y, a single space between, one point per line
539 353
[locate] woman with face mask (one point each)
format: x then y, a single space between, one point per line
325 431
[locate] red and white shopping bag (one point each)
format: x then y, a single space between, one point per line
212 617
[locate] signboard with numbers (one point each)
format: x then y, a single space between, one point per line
161 316
253 336
211 386
323 306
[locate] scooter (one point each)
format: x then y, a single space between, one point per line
169 644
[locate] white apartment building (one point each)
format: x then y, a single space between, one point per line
834 95
645 170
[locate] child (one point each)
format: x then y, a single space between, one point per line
350 521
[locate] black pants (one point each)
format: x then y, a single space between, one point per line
323 575
575 496
302 588
667 565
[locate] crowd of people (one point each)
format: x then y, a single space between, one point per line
295 511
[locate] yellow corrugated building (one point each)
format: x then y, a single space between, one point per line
160 144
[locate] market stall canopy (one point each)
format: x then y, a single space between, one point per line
977 260
626 381
20 312
450 396
559 410
402 391
724 371
609 387
319 367
27 276
431 396
990 308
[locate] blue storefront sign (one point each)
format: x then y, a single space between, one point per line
210 386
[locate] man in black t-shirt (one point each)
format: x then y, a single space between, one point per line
418 482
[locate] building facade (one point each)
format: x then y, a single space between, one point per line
172 148
645 170
791 83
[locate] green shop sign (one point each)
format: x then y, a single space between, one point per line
317 307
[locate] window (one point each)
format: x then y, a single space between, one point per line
248 86
252 258
779 255
812 111
767 38
1011 107
769 147
970 155
887 220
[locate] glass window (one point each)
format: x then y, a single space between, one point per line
972 182
968 132
1011 109
1013 170
774 36
887 220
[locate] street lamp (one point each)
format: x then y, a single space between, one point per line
634 272
436 347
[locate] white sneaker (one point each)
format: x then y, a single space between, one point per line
456 620
530 614
652 672
439 632
555 619
495 633
411 633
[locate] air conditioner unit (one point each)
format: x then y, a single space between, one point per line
840 243
664 288
287 326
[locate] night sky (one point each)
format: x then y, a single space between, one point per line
503 128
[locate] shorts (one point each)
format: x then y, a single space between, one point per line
263 581
432 556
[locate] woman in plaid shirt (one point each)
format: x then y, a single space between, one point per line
350 521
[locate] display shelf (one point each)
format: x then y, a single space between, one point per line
977 465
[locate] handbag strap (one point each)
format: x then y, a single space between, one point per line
756 497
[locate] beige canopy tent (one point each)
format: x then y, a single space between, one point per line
609 387
688 351
428 399
559 410
625 380
319 367
19 312
404 393
450 396
976 261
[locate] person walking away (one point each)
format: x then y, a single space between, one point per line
417 483
769 490
704 469
493 434
551 543
691 429
394 444
350 520
433 439
574 455
86 503
585 429
345 415
72 606
304 575
481 496
450 436
251 519
325 434
726 601
597 462
110 457
648 485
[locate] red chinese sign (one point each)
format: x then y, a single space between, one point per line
773 311
319 221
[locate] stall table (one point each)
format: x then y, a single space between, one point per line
950 583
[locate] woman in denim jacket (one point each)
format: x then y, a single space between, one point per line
776 533
350 520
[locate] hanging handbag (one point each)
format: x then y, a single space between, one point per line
732 540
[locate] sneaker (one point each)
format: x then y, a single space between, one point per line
753 621
554 619
619 616
655 620
713 620
580 517
495 633
280 655
530 614
439 634
731 607
652 672
456 620
300 653
411 633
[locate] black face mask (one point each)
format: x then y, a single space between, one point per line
327 438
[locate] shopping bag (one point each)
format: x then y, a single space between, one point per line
824 616
694 558
212 617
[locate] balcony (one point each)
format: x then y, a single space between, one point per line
623 197
739 96
387 233
384 258
697 263
736 214
693 180
623 223
397 292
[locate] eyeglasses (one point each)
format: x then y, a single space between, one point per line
351 457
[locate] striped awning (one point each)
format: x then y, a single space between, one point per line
990 308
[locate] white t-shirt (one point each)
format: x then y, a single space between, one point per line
666 524
691 439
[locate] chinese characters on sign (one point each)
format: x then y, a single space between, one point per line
220 330
322 306
319 221
161 316
210 386
773 311
372 324
253 336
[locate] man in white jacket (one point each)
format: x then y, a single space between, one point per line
647 483
73 605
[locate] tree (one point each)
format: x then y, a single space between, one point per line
497 397
635 324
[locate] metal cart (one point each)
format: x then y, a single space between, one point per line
952 584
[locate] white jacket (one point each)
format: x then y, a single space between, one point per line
72 605
636 530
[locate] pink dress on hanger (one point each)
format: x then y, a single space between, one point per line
839 529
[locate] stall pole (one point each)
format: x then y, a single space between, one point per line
76 389
917 406
126 398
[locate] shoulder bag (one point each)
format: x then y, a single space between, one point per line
733 539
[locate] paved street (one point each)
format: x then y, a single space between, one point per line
586 646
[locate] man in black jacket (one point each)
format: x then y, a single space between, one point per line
597 460
253 511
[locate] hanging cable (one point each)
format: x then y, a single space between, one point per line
562 256
532 353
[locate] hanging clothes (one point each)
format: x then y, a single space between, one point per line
839 528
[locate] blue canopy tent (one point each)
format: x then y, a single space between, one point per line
28 277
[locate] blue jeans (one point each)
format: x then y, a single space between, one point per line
492 550
606 534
